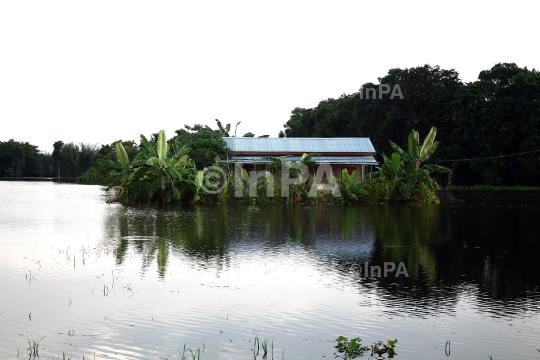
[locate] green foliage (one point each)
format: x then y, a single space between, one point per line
349 188
300 190
224 131
411 180
351 349
18 159
498 114
159 170
92 177
98 170
206 145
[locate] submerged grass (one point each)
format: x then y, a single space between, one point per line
194 355
33 349
68 358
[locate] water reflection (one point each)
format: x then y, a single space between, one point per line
144 280
487 251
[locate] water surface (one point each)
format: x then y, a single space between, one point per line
108 281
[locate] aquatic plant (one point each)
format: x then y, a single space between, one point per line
265 348
253 206
33 349
195 355
351 349
380 348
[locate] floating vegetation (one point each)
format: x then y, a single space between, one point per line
351 349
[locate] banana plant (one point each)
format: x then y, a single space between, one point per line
224 131
416 178
392 169
122 173
164 168
244 182
349 187
417 154
198 182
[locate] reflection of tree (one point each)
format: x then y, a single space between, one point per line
444 251
406 233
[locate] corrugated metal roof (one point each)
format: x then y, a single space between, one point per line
304 145
357 160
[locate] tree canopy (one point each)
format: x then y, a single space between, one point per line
499 114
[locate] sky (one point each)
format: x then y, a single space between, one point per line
99 71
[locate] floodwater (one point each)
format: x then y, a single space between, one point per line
113 282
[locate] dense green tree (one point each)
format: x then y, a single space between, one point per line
206 145
18 159
497 115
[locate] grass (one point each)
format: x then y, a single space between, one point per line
33 349
265 349
194 355
497 188
68 358
255 346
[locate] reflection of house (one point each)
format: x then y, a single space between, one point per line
339 153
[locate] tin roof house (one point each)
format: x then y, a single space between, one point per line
340 153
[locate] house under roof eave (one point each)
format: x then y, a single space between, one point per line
339 153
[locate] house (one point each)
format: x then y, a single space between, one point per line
339 153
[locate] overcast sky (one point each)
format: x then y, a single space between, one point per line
99 71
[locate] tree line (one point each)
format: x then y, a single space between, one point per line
22 159
71 160
494 116
488 119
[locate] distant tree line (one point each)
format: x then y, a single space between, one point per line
499 114
18 159
70 160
